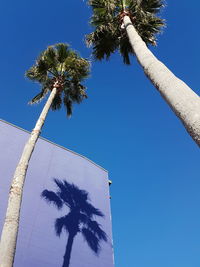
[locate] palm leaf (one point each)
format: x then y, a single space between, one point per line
34 75
49 56
104 43
151 6
90 210
57 102
91 239
95 227
76 68
65 192
42 66
125 49
108 37
59 225
52 197
68 105
39 96
62 52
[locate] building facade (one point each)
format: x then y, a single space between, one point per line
65 217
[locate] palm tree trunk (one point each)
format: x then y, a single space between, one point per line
184 102
68 251
11 224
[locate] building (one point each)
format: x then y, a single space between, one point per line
82 189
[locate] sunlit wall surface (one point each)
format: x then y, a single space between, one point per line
65 217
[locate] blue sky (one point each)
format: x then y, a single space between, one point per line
124 125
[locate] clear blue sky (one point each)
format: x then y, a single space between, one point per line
124 126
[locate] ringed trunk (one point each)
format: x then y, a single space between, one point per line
183 101
11 223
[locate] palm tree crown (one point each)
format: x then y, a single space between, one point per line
60 67
109 35
80 216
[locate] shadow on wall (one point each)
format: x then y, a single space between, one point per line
79 219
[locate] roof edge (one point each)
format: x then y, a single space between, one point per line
40 137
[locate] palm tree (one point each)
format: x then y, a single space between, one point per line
60 71
79 219
129 26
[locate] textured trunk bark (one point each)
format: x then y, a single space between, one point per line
68 251
184 102
11 224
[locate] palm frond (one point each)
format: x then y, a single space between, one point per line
104 43
59 225
108 37
39 96
62 52
73 93
95 227
49 57
125 49
42 67
91 239
64 192
59 184
68 105
34 75
151 6
103 4
69 222
77 68
52 197
57 102
90 210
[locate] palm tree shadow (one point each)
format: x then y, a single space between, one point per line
79 219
